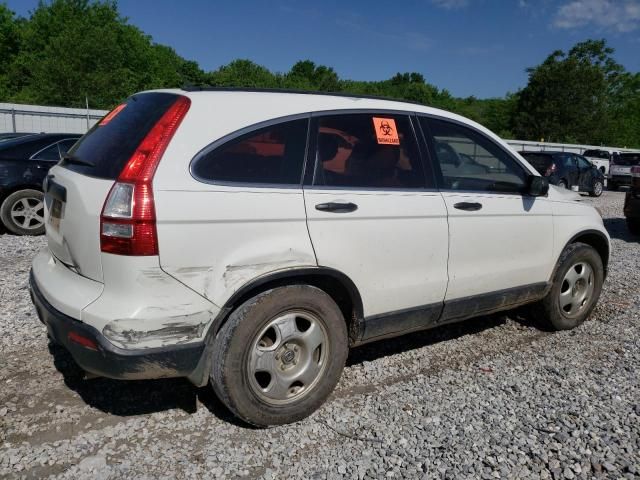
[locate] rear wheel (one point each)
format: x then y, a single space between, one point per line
596 191
577 283
22 212
633 226
562 184
280 355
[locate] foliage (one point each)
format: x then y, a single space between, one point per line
69 50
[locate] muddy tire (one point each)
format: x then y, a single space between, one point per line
279 355
577 283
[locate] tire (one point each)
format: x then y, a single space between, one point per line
612 186
22 212
633 226
562 184
597 189
551 309
265 379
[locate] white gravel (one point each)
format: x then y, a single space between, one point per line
489 398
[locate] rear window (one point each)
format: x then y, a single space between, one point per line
537 161
596 154
106 148
628 159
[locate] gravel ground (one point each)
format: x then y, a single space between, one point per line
489 398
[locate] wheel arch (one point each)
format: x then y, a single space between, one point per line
7 190
333 282
595 239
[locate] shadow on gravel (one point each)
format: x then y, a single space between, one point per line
140 397
137 397
392 346
617 228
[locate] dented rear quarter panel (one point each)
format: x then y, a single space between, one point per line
217 239
142 306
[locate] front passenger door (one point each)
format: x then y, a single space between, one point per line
500 238
586 170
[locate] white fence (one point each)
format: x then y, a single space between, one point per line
15 117
524 145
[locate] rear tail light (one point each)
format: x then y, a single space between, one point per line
635 172
551 170
128 220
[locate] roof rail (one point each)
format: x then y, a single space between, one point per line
194 88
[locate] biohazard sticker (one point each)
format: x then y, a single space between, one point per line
386 132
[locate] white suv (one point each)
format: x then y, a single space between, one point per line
249 238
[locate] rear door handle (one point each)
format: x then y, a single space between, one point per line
468 206
337 207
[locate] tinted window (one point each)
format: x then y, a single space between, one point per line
583 162
367 151
628 159
65 145
596 154
470 161
538 161
25 147
110 145
51 153
271 155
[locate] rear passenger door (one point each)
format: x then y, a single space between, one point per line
374 215
500 238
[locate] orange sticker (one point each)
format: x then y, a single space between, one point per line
112 114
386 132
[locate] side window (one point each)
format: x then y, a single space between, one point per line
270 155
367 150
65 145
582 162
51 153
470 161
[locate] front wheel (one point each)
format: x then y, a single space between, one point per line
596 191
22 212
576 287
280 355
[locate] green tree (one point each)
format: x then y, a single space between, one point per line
568 97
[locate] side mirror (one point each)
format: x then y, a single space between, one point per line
538 186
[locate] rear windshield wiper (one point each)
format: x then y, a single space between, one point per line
75 160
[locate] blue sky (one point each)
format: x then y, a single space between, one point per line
470 47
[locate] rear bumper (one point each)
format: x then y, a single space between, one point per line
620 179
105 359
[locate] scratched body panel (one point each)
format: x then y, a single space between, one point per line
164 311
215 249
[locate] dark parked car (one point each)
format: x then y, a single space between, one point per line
11 135
24 163
632 202
567 170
